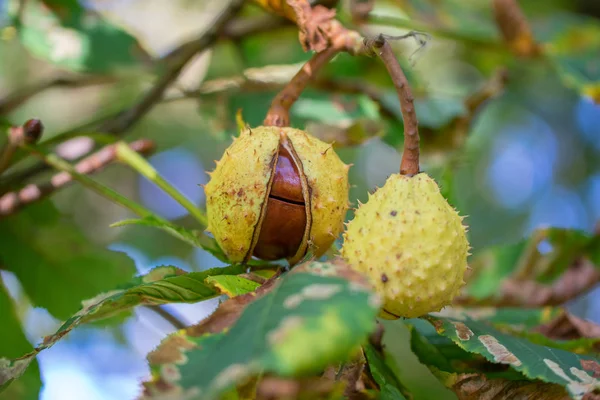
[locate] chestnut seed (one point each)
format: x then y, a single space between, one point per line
276 193
284 223
287 184
282 230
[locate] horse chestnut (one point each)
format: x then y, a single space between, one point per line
276 193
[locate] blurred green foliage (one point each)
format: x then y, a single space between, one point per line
512 138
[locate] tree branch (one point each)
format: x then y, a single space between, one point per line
14 201
514 28
319 31
16 99
118 123
128 118
278 114
29 133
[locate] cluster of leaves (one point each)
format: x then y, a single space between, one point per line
307 333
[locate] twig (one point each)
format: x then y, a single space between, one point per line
16 99
13 201
125 154
278 114
128 118
514 27
319 31
234 30
492 88
117 123
29 133
410 157
167 316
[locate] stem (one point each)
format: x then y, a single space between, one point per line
7 152
167 316
15 100
130 117
61 165
278 114
137 162
117 123
515 28
29 133
410 157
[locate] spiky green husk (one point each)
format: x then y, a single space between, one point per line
327 178
411 244
237 191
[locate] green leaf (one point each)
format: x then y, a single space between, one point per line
433 112
130 157
419 380
13 343
579 346
162 285
193 237
523 260
567 245
57 266
572 42
322 107
383 375
427 353
577 373
65 33
309 320
518 318
492 266
523 323
232 285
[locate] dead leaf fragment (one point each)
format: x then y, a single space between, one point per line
462 331
499 351
569 327
478 387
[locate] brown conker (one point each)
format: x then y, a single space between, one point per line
276 193
284 223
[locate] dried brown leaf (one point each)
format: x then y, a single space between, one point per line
279 7
478 387
230 310
273 388
311 21
569 327
578 279
353 375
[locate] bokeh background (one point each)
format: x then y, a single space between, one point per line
527 157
